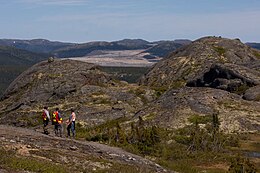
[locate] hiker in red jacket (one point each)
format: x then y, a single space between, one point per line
57 122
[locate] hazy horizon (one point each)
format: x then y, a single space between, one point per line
81 21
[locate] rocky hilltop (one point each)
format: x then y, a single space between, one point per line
208 62
67 84
210 75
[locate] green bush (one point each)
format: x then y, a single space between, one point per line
241 165
200 119
220 50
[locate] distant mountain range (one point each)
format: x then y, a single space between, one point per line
254 45
35 45
14 61
14 56
64 50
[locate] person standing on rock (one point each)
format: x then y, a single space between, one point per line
46 119
57 121
71 124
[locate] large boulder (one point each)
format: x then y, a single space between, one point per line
253 94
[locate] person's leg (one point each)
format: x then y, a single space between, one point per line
45 131
56 129
60 130
43 127
73 129
68 130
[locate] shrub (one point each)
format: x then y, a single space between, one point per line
220 50
241 165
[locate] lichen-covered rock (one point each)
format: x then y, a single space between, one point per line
67 84
221 74
174 108
252 94
204 61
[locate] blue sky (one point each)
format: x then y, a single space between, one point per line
89 20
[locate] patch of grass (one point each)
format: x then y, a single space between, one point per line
95 133
140 92
241 89
128 74
10 161
53 76
159 90
257 54
123 168
104 101
178 84
220 50
31 121
180 165
98 93
200 119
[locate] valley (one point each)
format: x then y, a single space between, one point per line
124 58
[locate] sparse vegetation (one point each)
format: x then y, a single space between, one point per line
257 54
241 165
220 50
178 84
10 161
241 89
128 74
159 90
193 144
140 92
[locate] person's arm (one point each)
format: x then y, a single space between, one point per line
47 113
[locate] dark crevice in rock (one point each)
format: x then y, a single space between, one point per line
15 107
221 77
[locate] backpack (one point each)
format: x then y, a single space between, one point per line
44 116
56 118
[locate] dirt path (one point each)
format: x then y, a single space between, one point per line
90 156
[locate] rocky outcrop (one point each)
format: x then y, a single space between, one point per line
174 108
253 93
67 84
207 76
23 143
208 62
